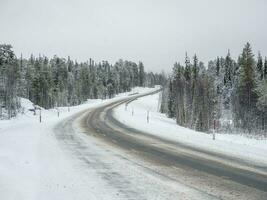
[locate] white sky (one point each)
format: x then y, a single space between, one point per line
157 32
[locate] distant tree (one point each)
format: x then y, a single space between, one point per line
217 66
195 67
141 74
228 70
171 101
9 77
260 67
265 69
246 89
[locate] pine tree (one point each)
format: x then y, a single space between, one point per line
9 77
171 101
265 69
135 74
195 95
217 66
228 70
227 84
141 74
187 72
195 67
246 89
178 87
260 67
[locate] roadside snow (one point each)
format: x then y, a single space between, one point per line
159 125
33 165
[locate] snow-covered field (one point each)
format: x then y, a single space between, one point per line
159 125
32 163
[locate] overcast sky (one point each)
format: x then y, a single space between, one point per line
157 32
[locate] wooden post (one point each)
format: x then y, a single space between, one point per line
40 116
214 126
0 110
34 110
132 111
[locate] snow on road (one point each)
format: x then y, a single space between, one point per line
159 125
33 164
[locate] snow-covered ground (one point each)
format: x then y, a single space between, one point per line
159 125
36 164
32 163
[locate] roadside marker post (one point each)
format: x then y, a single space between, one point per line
1 107
147 116
57 109
36 108
214 126
40 116
1 110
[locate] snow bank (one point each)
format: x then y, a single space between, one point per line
159 125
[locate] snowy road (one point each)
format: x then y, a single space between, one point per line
129 164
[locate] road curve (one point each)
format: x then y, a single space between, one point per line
204 170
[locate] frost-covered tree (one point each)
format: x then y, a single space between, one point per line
141 74
227 91
61 82
262 104
265 69
260 67
247 97
9 77
171 100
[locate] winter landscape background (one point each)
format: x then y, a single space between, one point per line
162 99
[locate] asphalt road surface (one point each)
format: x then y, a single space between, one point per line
169 170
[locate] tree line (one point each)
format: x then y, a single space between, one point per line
227 94
61 82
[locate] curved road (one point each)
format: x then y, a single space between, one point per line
211 175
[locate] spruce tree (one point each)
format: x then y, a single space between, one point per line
195 92
246 89
217 66
260 67
187 72
9 77
228 70
265 69
141 74
171 101
195 67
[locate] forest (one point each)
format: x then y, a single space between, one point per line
63 82
227 95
